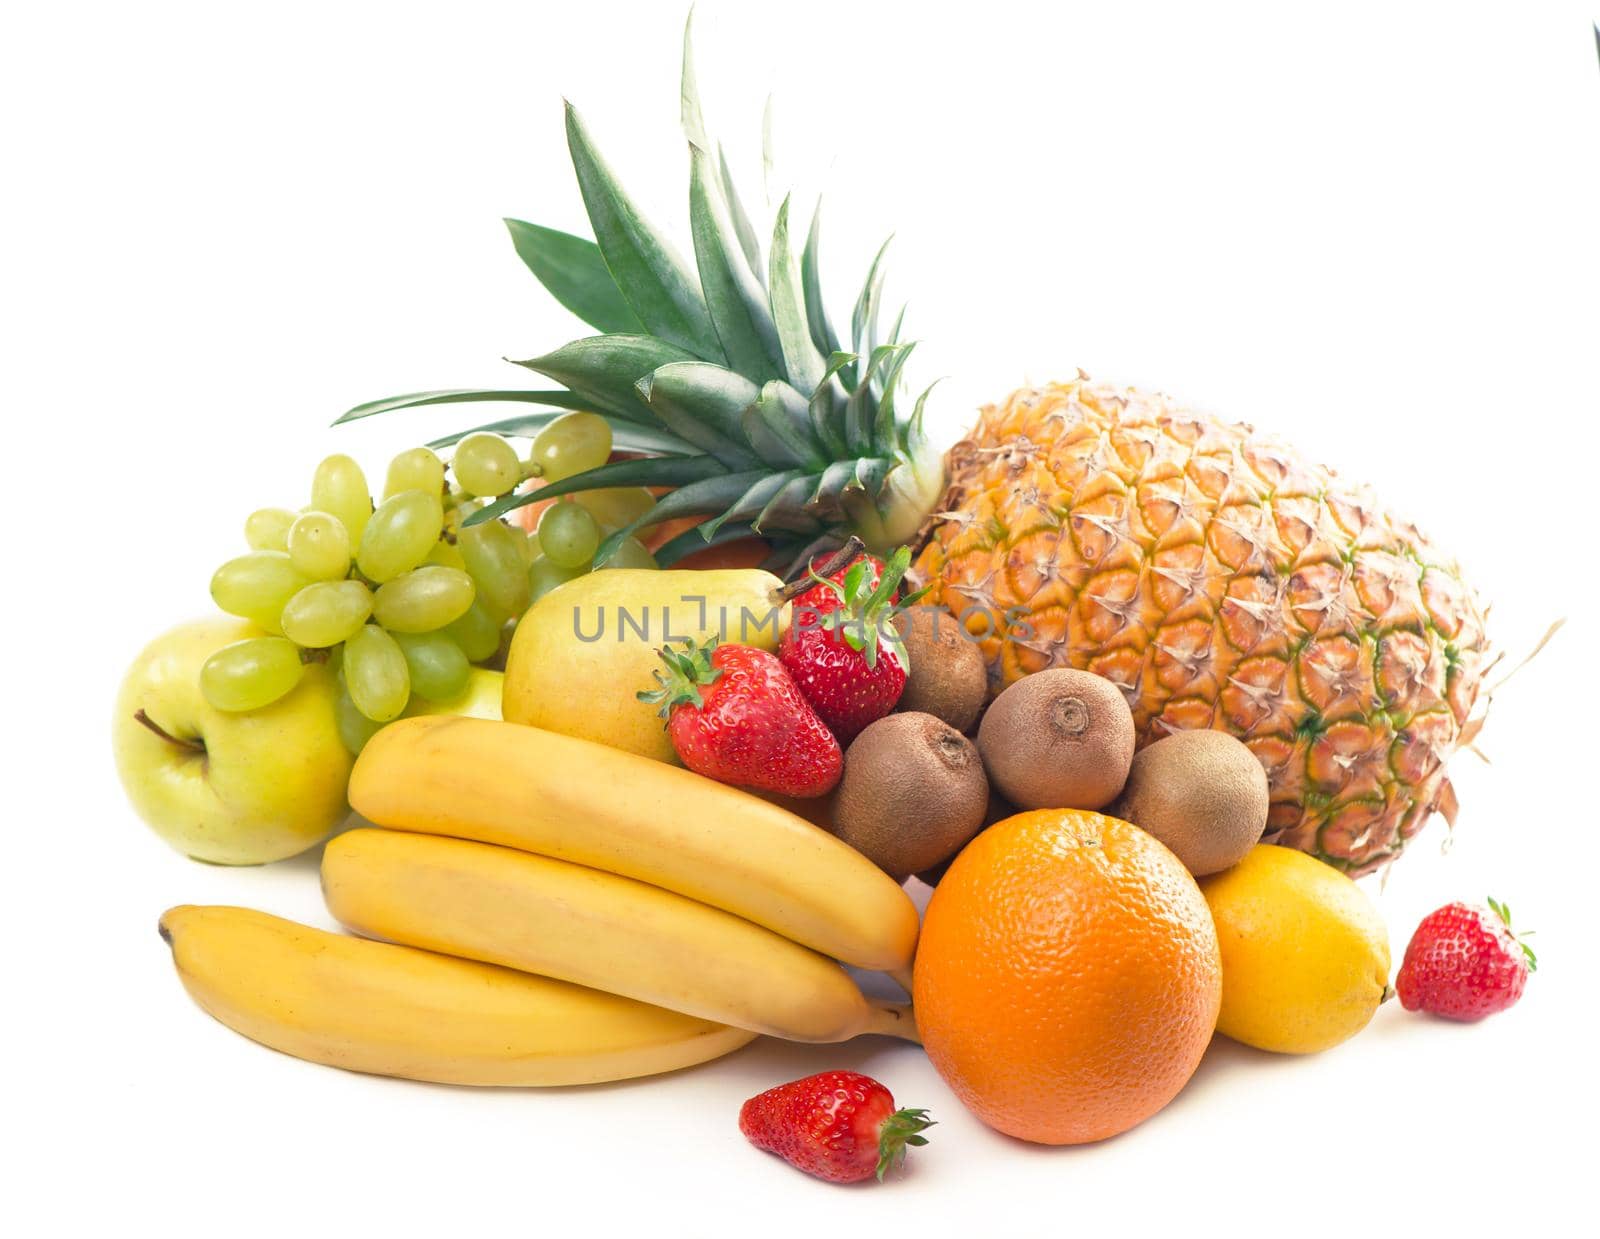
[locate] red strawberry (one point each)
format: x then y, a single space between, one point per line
734 715
1464 963
847 655
819 598
838 1125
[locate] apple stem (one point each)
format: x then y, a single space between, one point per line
194 746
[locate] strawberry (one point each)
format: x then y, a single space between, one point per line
837 1125
819 598
846 654
1464 963
734 715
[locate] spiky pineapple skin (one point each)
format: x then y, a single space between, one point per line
1222 581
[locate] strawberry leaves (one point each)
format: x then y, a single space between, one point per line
900 1130
1503 911
864 616
684 673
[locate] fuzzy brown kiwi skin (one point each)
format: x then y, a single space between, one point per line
948 678
997 811
1202 793
913 793
1058 739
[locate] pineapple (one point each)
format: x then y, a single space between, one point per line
1220 580
1217 578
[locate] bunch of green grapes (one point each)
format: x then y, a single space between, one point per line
570 530
402 596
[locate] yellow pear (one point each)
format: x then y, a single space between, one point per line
585 650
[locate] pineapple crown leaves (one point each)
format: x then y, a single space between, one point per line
683 674
1503 911
727 375
901 1130
865 616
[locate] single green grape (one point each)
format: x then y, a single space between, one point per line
476 632
250 674
256 586
355 728
400 535
325 613
340 488
438 666
568 535
416 468
493 554
319 546
630 553
485 464
267 529
571 444
534 549
616 506
423 599
544 574
376 674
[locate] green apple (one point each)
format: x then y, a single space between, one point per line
230 789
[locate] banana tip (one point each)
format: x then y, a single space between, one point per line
163 927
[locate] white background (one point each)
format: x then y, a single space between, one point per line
1371 228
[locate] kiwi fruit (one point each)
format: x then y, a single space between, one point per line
1058 739
1202 793
997 811
912 794
948 677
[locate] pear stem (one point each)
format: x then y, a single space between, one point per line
194 746
844 556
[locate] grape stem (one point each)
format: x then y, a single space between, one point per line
194 746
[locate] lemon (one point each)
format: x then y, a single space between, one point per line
1305 956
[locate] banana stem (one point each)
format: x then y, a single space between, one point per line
894 1019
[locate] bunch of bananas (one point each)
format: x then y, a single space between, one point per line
541 929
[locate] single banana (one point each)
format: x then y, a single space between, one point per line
396 1011
576 800
593 928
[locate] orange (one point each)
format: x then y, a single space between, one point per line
1068 978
